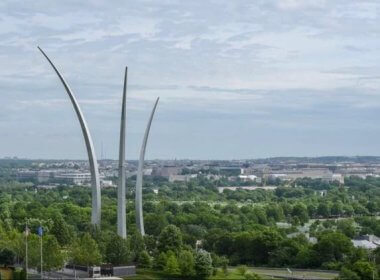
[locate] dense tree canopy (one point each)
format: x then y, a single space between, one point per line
293 226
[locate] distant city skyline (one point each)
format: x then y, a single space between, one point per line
237 79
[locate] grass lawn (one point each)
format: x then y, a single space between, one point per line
233 274
283 272
149 274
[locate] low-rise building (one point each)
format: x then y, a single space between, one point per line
367 241
249 188
182 178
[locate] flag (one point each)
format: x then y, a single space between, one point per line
40 231
27 231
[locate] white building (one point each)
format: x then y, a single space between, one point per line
182 178
248 178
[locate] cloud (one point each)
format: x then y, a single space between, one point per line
242 70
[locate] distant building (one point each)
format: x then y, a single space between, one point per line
314 173
249 188
46 187
107 184
75 178
41 176
369 242
321 192
182 178
283 225
166 171
247 178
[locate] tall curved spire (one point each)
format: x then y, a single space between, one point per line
139 179
121 214
95 182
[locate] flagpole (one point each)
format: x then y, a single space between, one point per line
40 233
42 277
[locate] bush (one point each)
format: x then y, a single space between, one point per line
23 275
186 263
242 269
346 273
160 261
7 257
171 267
203 264
252 276
145 260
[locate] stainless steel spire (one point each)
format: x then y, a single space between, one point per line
95 182
121 215
139 179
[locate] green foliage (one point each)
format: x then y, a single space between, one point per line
186 263
16 275
365 270
144 260
85 251
117 250
23 274
160 261
242 269
300 211
53 256
252 276
171 266
61 230
332 247
239 225
346 274
203 264
137 244
7 257
347 227
170 239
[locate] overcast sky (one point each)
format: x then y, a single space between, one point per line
236 79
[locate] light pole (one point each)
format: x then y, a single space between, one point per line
374 266
26 248
40 233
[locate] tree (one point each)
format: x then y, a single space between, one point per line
186 263
170 239
203 264
85 251
171 266
300 211
337 208
323 210
311 210
365 270
61 230
160 261
145 261
23 275
333 246
242 269
7 257
137 244
117 250
346 274
155 223
53 256
347 228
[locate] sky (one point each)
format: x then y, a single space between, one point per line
236 79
